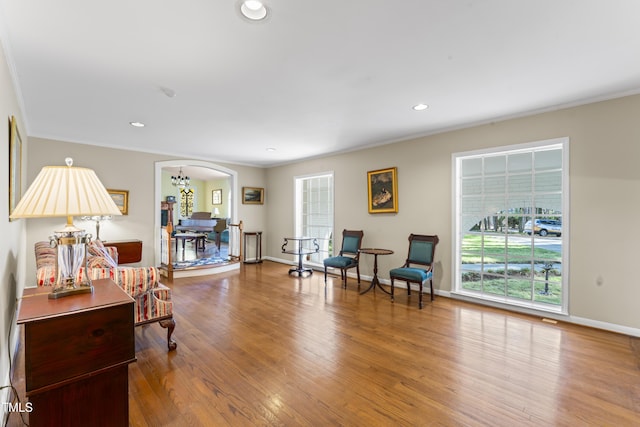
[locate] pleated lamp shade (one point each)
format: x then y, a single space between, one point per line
65 191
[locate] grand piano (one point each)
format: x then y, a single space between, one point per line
200 222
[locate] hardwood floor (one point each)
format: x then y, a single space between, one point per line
258 347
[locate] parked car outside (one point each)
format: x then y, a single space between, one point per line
544 227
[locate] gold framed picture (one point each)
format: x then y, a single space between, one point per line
15 165
216 197
121 199
252 195
383 190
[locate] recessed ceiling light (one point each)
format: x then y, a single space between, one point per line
137 124
420 107
253 9
270 149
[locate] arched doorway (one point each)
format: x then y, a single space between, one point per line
159 166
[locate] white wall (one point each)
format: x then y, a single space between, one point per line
12 244
604 192
224 208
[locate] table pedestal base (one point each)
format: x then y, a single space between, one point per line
300 270
375 282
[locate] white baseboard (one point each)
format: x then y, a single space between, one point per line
351 273
568 318
625 330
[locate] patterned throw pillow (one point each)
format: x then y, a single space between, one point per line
45 254
99 256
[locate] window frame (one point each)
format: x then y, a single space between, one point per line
326 245
458 234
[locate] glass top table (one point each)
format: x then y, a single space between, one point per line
300 246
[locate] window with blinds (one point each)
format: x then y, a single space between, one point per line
511 207
314 212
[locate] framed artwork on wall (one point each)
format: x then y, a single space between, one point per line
15 165
383 190
121 199
252 195
216 197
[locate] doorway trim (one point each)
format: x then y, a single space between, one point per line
233 176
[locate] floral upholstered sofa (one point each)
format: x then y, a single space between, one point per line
152 298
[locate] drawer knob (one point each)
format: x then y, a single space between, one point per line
98 333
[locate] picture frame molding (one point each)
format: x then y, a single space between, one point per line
252 195
121 199
15 165
390 190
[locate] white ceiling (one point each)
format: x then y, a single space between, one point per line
316 77
195 172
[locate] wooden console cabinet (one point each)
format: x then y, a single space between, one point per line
129 251
77 352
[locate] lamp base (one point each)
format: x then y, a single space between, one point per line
65 292
71 244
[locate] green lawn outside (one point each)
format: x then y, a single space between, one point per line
495 253
516 283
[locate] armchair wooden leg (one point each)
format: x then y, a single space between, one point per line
392 299
170 325
420 297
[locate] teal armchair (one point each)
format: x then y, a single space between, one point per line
418 267
348 257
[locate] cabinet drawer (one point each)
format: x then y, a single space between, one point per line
129 251
102 401
76 344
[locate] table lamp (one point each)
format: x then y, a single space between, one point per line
66 191
216 212
97 219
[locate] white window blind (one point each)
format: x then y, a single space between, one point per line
314 211
511 221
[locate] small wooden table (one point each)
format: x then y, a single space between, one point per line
258 239
375 281
300 250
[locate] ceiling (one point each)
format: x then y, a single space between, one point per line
314 78
195 172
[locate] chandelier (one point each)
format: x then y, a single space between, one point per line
180 181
